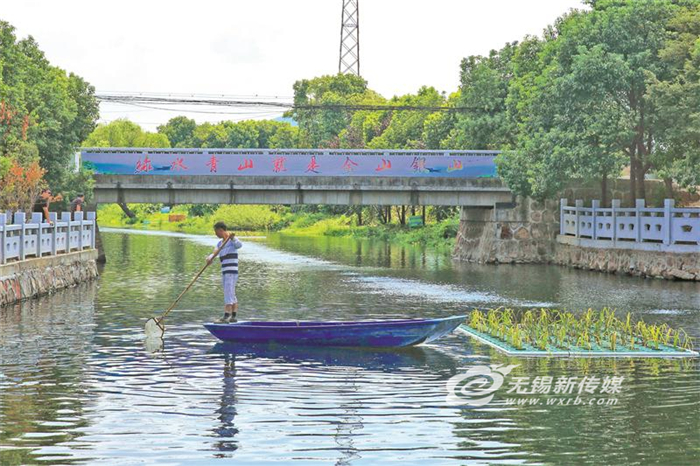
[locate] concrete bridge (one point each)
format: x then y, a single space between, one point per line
296 176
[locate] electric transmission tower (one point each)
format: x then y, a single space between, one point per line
350 38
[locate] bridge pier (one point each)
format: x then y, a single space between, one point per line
518 232
101 256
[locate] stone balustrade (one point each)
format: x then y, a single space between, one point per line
668 229
22 237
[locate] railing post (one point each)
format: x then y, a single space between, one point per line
562 205
38 218
53 216
65 217
79 218
579 206
615 204
669 204
595 205
638 207
20 218
3 237
92 216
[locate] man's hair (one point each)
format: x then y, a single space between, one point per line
220 225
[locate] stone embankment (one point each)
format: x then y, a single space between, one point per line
527 232
33 277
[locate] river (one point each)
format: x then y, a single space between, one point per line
78 384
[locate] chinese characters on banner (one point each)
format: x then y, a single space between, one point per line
212 164
349 164
186 162
278 164
178 164
386 165
145 166
313 165
247 163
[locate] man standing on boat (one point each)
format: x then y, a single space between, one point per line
229 269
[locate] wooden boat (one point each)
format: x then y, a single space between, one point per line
367 333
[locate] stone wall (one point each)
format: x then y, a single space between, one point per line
34 277
526 232
519 233
654 264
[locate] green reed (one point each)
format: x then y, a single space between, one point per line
546 328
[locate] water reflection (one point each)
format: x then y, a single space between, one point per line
78 384
227 411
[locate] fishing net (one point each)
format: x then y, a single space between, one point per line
154 328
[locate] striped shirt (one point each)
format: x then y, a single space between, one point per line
229 256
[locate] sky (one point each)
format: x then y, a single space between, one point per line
260 48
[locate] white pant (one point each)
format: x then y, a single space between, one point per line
229 280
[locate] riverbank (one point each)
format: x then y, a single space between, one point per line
44 275
260 220
529 232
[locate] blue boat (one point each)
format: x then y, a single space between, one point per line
367 333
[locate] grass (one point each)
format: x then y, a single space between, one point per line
261 220
548 329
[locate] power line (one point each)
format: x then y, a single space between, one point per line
197 95
136 99
149 107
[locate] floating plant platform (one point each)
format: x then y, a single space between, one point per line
548 333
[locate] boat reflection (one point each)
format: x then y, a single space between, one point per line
368 358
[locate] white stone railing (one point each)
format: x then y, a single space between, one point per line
21 237
667 227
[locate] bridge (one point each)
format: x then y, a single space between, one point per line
295 176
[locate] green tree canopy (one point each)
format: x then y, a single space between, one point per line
484 83
322 128
179 131
599 93
44 112
124 133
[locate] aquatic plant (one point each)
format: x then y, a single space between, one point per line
552 328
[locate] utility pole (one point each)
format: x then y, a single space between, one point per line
350 38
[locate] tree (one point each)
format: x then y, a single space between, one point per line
588 101
405 128
677 101
44 112
484 83
438 126
179 131
19 185
286 137
124 133
321 128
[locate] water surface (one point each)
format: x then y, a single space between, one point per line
78 384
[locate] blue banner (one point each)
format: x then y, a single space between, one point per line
250 162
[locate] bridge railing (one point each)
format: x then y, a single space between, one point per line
667 226
291 152
22 237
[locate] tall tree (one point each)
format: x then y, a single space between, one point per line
179 131
405 128
124 133
321 128
677 102
590 103
44 112
484 83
